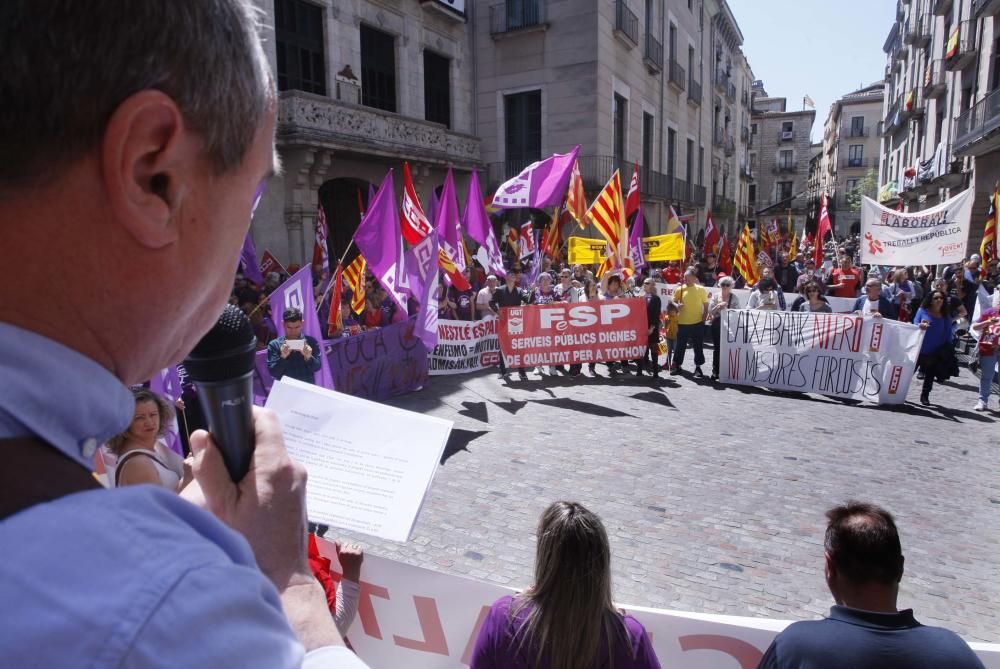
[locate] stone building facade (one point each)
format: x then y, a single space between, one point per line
780 158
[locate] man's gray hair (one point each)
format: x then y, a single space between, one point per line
68 64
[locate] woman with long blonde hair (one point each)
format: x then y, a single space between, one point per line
566 620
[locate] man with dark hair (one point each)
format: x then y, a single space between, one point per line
865 630
129 161
509 295
295 354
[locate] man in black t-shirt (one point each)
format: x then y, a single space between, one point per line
509 295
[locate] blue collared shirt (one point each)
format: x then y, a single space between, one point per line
131 577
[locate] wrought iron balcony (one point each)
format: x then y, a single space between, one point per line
855 163
626 22
694 91
942 7
917 34
721 80
784 168
960 49
857 132
678 77
731 92
719 137
653 57
985 8
934 81
514 15
730 146
977 129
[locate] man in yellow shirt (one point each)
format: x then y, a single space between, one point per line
692 304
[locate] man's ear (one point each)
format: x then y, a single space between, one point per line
147 157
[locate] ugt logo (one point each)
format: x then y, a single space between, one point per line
515 321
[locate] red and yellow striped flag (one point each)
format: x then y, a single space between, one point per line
355 273
608 214
746 258
988 247
576 199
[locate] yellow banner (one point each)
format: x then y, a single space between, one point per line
662 248
586 251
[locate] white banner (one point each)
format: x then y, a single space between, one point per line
934 236
464 346
421 619
844 355
840 305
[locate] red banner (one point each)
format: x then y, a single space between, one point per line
268 263
573 333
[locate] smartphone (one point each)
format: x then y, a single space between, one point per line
295 344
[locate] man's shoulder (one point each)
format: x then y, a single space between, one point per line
276 342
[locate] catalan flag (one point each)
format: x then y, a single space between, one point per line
988 247
335 323
355 273
746 257
608 214
793 246
576 199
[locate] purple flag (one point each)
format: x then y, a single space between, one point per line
432 207
477 224
248 258
446 223
635 249
381 242
422 266
297 292
540 185
167 384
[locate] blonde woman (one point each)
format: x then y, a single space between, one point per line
142 455
566 620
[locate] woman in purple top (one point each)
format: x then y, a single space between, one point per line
567 619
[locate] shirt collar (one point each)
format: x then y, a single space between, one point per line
58 395
900 620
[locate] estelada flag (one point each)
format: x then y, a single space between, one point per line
355 273
413 220
632 199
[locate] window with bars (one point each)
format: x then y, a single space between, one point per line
523 126
378 69
298 31
437 88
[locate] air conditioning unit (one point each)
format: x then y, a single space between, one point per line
787 134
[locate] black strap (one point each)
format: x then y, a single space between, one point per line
35 472
130 455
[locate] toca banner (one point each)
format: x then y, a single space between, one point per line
464 346
935 236
421 619
844 355
573 333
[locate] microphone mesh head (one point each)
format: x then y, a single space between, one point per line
226 351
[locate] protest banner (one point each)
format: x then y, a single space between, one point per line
376 364
661 248
464 346
839 305
586 250
844 355
562 333
934 236
421 619
268 263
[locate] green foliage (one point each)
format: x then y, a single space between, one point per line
867 185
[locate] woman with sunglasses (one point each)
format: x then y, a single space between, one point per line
937 352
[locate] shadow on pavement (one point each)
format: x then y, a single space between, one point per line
459 440
583 407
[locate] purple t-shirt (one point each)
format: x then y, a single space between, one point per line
497 648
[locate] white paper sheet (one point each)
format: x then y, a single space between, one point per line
370 465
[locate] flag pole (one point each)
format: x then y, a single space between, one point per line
339 263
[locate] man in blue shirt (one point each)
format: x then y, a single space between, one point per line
295 354
127 200
865 630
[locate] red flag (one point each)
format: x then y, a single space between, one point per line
725 256
335 323
527 240
711 234
822 229
321 253
413 221
632 199
361 205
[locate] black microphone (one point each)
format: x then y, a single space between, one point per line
221 367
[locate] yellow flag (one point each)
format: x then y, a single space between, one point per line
586 250
661 248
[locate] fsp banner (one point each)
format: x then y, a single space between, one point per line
567 333
934 236
465 346
844 355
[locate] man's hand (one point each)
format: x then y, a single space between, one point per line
924 325
307 351
285 350
351 556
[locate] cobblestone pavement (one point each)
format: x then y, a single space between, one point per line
713 496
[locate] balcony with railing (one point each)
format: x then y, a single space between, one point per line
719 136
730 146
746 169
918 34
744 134
653 55
960 49
517 15
721 80
934 81
853 131
723 206
893 119
985 8
626 23
978 129
678 77
942 7
731 92
694 91
855 163
784 168
913 102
